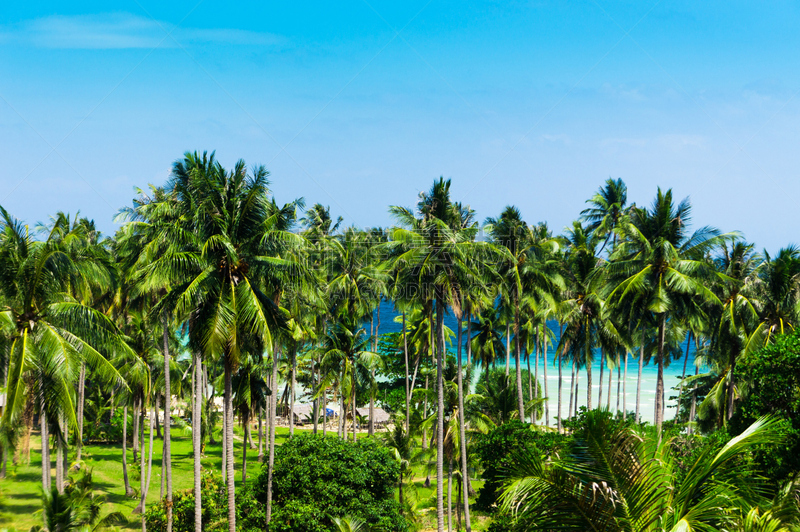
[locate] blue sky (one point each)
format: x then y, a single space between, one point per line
361 105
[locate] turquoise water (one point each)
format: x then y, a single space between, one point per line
672 373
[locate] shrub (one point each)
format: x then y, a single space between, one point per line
770 382
215 504
318 478
498 449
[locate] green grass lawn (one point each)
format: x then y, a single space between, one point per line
20 491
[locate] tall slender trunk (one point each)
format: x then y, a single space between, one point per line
167 462
408 376
610 378
619 384
450 494
462 430
353 417
639 382
683 375
158 431
520 398
530 381
60 455
571 389
45 442
293 354
508 347
229 465
79 413
136 416
142 473
314 404
260 434
440 412
126 480
324 411
662 322
146 482
246 419
535 393
624 383
577 378
600 391
560 384
197 441
469 334
271 451
588 377
224 439
372 374
693 408
544 378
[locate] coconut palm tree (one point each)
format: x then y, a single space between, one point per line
661 265
608 207
53 331
226 287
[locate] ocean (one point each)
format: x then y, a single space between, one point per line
672 373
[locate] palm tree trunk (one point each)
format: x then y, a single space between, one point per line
560 385
619 383
662 325
508 347
229 465
520 398
142 473
246 419
624 393
372 373
683 375
146 483
315 402
639 382
450 495
469 334
353 417
271 450
610 378
224 439
693 409
535 393
81 402
588 378
462 428
196 440
571 388
577 378
600 391
60 455
293 354
166 463
530 381
408 376
45 443
324 411
260 434
440 412
128 490
544 378
731 383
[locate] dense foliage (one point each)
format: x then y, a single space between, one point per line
318 478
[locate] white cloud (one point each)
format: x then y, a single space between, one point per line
122 30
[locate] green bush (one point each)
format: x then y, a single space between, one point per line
215 504
769 380
317 478
497 450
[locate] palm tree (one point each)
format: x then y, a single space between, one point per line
53 330
608 207
660 264
620 480
434 248
584 319
487 343
224 287
345 354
